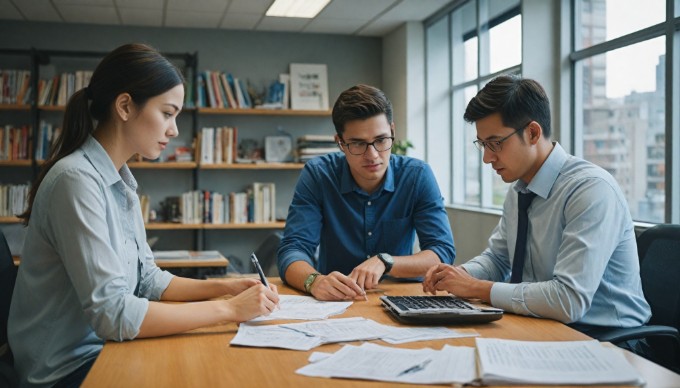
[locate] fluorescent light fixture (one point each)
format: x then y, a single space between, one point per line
296 8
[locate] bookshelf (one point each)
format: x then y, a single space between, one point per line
160 180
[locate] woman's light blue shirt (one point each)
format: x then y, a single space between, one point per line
84 256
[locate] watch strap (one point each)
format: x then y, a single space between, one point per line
309 281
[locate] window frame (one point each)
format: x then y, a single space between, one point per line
670 29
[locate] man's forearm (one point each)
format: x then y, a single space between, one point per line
414 265
297 272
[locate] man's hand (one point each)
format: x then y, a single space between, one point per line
367 274
335 286
456 280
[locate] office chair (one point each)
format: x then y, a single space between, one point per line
8 275
659 254
266 253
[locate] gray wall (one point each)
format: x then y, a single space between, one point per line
256 56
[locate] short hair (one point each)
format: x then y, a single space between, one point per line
518 100
360 102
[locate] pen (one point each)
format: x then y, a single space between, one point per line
415 368
256 263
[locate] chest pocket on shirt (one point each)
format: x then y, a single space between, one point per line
398 233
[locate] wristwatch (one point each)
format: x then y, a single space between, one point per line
309 281
387 259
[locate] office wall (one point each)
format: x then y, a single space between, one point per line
257 56
403 79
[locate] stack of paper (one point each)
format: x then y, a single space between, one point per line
304 307
500 362
375 362
308 335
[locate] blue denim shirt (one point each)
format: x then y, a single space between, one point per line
329 209
85 247
581 263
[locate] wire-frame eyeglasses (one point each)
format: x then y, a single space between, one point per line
380 144
496 145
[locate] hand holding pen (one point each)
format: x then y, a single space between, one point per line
256 263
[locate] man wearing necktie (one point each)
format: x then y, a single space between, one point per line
564 247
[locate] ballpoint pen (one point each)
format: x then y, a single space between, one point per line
256 263
415 368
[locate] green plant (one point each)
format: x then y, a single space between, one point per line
400 146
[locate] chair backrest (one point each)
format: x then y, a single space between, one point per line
8 276
266 254
659 253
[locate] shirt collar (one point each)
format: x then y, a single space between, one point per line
546 176
347 183
100 160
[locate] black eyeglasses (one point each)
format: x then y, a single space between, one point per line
496 145
380 144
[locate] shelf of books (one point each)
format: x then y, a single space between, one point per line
179 226
10 220
15 107
16 163
264 112
164 165
252 166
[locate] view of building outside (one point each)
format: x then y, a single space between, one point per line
621 102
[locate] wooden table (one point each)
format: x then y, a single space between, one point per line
194 261
203 358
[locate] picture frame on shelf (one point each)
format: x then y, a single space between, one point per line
278 149
308 86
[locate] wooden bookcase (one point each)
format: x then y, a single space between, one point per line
47 63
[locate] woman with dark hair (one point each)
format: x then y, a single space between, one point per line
87 274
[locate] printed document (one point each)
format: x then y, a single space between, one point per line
452 364
563 362
304 307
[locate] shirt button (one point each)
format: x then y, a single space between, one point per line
368 256
369 203
370 233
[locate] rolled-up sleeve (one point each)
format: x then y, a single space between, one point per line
430 218
303 224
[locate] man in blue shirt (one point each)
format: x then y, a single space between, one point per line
362 208
580 263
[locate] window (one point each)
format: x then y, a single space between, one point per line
467 47
620 118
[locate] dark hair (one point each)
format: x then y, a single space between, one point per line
360 102
134 68
518 100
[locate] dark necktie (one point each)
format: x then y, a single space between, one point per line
523 202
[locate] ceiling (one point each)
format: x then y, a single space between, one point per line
347 17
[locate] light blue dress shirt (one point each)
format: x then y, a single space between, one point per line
329 209
581 263
84 252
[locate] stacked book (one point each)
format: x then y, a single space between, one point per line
311 146
47 136
58 89
13 199
15 87
215 89
255 205
218 145
15 142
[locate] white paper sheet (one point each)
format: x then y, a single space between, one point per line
304 307
273 336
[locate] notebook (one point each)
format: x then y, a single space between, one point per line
440 310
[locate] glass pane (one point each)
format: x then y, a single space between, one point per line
464 42
438 104
603 20
505 41
623 122
472 156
